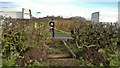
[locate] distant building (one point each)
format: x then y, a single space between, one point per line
106 17
95 17
16 13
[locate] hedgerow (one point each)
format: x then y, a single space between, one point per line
97 38
20 34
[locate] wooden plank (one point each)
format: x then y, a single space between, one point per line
69 49
63 62
55 56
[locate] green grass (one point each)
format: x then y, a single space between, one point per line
57 32
74 48
61 31
114 60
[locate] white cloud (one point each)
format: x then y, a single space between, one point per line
109 16
64 10
56 7
77 1
68 10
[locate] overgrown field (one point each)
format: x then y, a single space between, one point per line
25 42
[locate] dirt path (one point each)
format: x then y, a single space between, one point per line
59 55
56 55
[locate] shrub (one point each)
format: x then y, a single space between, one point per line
97 37
20 34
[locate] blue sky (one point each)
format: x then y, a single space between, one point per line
108 8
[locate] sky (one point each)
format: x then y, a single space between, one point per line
67 8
